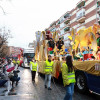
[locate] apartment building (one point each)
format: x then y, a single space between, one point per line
14 51
85 14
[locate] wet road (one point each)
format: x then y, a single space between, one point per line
26 90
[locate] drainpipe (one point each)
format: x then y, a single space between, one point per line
96 11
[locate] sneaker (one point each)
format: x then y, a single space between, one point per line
49 88
45 86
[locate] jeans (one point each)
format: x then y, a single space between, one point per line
69 92
15 79
48 80
2 82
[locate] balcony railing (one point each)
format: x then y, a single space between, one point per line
81 4
67 15
98 11
66 25
80 17
67 28
98 3
82 14
67 20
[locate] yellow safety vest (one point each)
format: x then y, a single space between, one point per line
62 65
48 67
68 77
14 61
34 66
71 77
18 62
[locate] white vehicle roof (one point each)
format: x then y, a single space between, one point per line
28 50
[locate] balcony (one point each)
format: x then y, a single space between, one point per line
61 19
67 29
80 16
98 3
67 20
66 25
81 4
59 22
81 19
98 11
67 15
54 23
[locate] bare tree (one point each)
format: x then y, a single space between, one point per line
4 49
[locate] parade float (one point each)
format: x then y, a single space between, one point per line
84 49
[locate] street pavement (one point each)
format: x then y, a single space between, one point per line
26 90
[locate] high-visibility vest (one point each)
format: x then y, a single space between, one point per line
48 67
14 61
71 77
68 77
63 65
18 62
34 66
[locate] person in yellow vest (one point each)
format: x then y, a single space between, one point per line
18 62
48 71
68 76
33 67
14 61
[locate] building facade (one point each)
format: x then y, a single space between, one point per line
14 51
85 14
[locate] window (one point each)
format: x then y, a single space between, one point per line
62 19
67 21
62 25
29 55
80 14
81 4
67 15
52 30
67 29
98 3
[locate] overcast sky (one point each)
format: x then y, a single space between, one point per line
25 17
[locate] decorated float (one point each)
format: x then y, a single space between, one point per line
85 49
